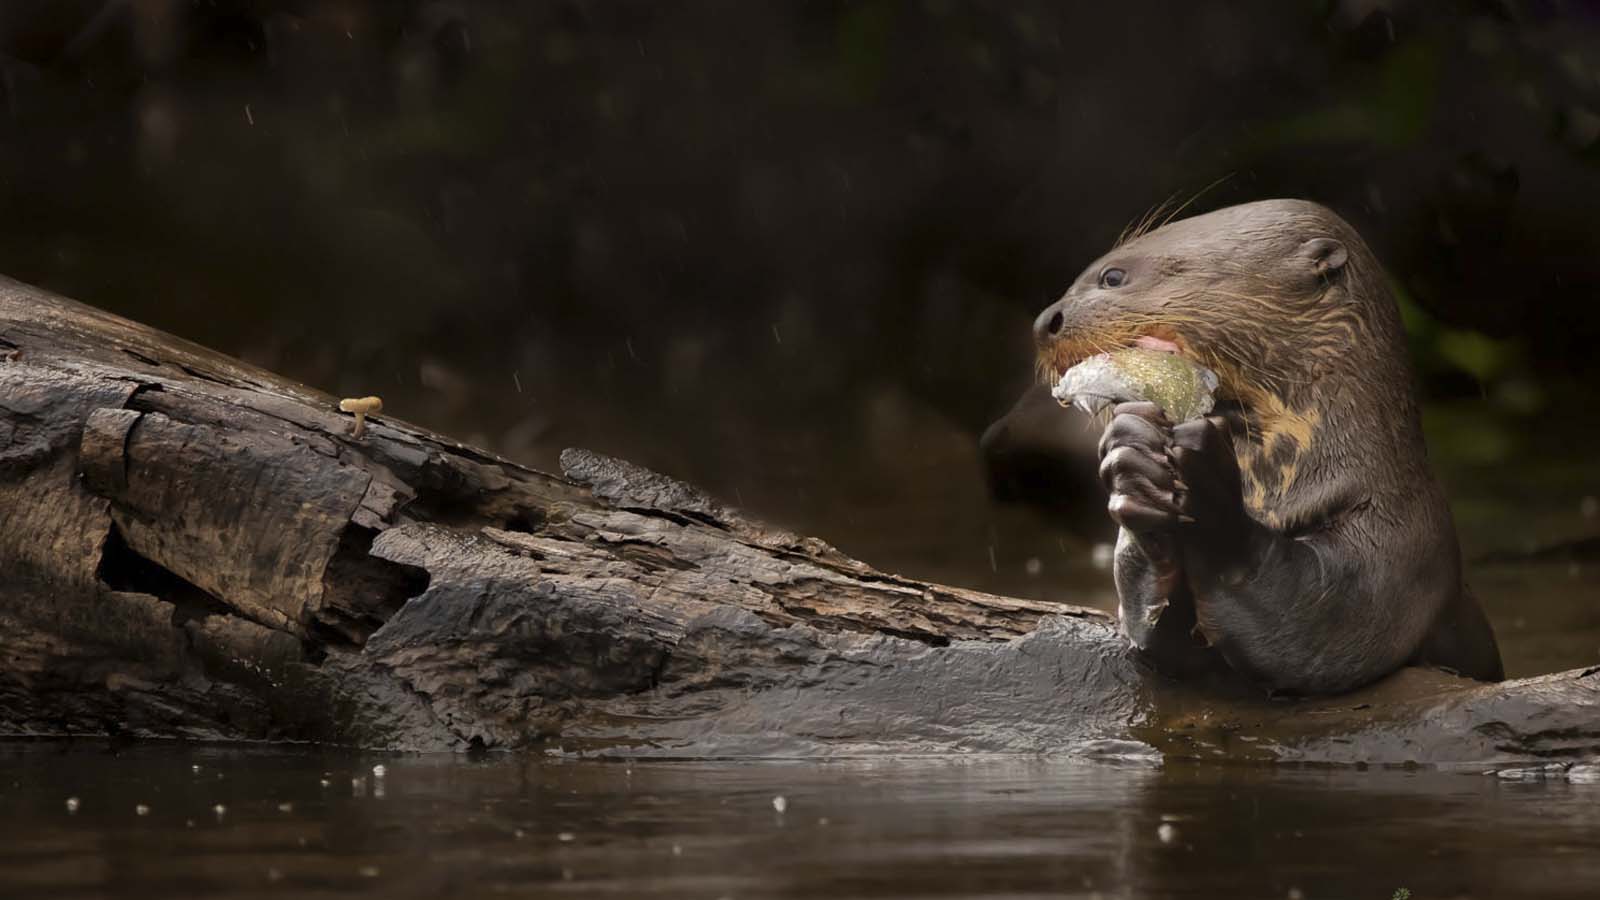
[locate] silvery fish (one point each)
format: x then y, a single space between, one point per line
1182 388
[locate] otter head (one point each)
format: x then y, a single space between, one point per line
1270 295
1280 298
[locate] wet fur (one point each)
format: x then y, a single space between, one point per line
1326 435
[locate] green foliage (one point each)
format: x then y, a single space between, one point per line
1479 355
1393 106
1498 365
1401 894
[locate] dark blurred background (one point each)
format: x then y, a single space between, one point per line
791 251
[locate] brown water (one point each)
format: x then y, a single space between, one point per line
309 823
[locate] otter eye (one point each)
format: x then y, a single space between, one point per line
1113 277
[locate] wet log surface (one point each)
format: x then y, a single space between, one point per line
192 547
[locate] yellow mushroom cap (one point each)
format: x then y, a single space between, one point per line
362 405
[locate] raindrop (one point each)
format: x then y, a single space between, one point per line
1102 555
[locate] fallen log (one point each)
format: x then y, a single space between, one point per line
193 547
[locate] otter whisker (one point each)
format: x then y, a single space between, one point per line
1197 195
1145 222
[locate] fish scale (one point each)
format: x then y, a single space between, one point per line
1182 388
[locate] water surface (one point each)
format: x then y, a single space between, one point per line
526 826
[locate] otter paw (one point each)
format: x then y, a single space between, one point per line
1212 494
1137 470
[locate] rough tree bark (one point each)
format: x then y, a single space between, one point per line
192 547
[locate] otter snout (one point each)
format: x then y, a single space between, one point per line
1047 327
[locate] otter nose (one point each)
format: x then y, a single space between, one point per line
1048 326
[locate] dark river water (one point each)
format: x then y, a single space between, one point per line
89 820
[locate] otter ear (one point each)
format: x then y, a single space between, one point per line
1325 255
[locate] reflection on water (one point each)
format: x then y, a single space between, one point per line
309 823
1546 614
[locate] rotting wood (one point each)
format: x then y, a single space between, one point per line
193 547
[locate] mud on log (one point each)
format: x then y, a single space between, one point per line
192 547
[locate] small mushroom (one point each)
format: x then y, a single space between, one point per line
362 407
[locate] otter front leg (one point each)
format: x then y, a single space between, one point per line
1295 612
1155 610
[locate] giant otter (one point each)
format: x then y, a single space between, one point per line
1297 531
